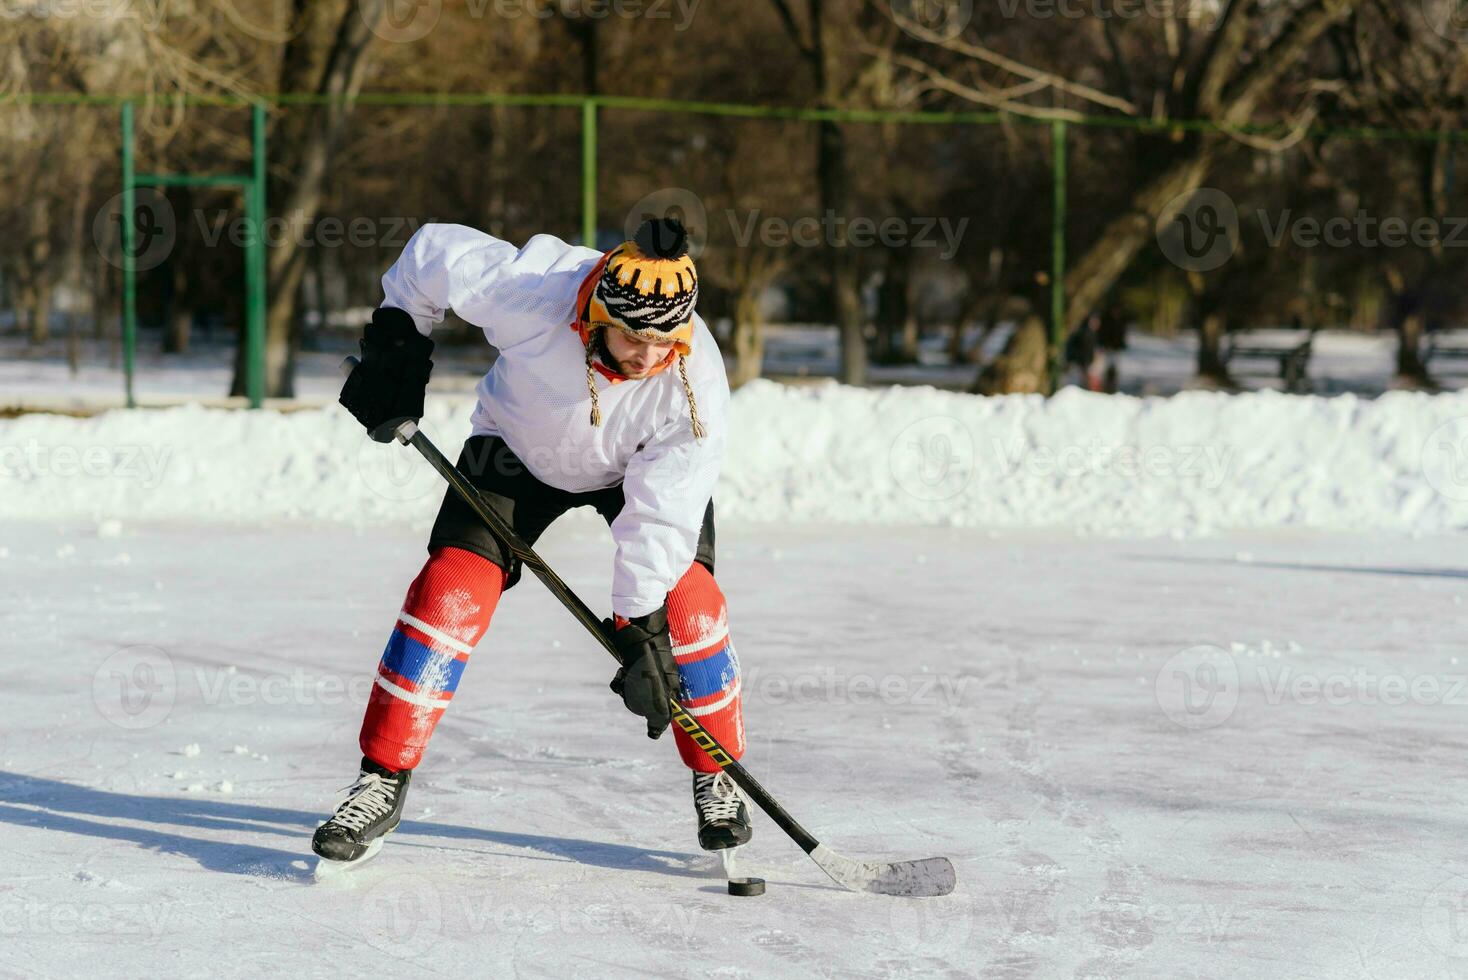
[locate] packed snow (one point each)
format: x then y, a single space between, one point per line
1176 682
1189 464
1226 757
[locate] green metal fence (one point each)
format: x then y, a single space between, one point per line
591 110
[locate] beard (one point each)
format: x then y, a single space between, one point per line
604 352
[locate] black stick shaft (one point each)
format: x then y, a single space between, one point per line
409 433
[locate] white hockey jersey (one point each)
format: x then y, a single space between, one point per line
535 396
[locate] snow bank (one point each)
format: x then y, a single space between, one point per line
1108 465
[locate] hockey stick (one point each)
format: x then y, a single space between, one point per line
924 877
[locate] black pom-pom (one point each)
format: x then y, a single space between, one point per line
663 238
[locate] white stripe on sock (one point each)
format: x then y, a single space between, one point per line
422 700
723 702
437 634
700 644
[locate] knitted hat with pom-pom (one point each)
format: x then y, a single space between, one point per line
647 288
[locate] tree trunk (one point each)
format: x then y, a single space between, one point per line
37 284
749 334
1211 368
324 57
180 314
1110 255
38 308
898 322
180 310
1411 369
845 273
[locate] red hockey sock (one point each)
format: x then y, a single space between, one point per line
699 624
445 614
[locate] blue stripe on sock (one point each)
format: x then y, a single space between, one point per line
428 669
708 676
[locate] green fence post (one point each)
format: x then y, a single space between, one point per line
255 272
129 262
588 173
1057 253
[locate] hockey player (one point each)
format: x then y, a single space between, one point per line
609 392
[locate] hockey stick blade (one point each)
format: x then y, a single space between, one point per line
926 878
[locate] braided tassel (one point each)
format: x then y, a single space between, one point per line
591 387
698 429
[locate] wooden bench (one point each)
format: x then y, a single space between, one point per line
1286 351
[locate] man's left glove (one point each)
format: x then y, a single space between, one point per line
386 388
649 674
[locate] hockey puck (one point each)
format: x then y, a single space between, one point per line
746 886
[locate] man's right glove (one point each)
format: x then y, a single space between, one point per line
649 674
386 388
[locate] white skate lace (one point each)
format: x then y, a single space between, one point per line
716 796
370 797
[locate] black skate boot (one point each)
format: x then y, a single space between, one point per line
372 809
723 817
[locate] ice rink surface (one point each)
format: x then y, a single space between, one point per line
1232 756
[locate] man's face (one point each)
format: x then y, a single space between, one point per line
635 357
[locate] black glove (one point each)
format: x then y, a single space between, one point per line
649 674
386 388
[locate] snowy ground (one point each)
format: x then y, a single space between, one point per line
182 700
40 378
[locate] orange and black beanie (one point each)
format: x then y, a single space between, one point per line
648 288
